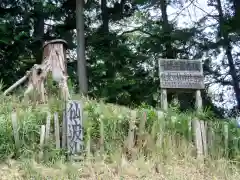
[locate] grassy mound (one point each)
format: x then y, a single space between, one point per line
173 159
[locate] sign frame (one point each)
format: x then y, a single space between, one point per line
181 76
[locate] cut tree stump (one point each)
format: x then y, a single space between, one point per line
54 62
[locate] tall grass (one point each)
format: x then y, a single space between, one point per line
175 152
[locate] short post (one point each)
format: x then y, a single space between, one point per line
64 131
42 137
48 126
131 130
101 136
210 137
15 129
161 125
88 146
164 101
57 134
225 130
141 130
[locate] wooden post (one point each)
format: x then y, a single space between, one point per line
143 122
198 137
225 130
161 124
200 130
141 130
15 129
131 130
204 137
48 125
42 135
197 125
190 130
164 102
210 137
64 131
198 101
57 135
101 136
88 147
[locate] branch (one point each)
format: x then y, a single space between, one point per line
140 30
20 81
186 7
208 14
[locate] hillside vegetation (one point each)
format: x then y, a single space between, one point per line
173 159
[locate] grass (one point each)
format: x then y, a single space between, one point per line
154 168
173 159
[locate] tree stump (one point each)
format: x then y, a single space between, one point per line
54 62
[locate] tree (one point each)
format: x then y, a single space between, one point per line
226 43
82 72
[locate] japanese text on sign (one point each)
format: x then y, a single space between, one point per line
181 74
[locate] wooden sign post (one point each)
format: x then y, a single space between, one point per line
184 75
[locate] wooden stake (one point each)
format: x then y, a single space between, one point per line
198 101
143 122
88 147
141 130
64 131
57 136
42 135
198 137
131 130
210 136
15 129
48 125
204 137
101 136
164 102
199 128
225 126
161 124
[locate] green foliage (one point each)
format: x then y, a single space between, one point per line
121 64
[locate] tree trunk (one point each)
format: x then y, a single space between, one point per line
228 48
169 53
81 60
236 5
167 29
54 61
38 30
105 17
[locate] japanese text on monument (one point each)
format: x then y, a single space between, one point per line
74 118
